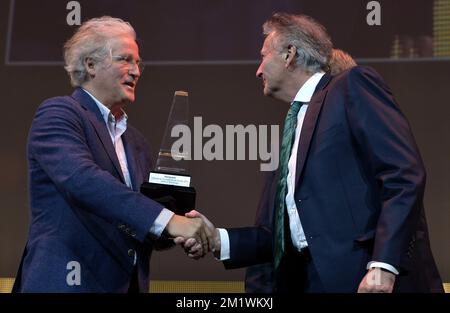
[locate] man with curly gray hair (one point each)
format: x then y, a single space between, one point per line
93 39
91 230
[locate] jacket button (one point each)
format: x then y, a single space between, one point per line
131 253
133 234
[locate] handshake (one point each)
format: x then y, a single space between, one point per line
195 233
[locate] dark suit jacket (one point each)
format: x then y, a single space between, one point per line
81 209
260 278
359 189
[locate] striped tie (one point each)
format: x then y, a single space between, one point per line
290 125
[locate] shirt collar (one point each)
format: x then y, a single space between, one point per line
106 112
307 90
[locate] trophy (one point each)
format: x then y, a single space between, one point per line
169 183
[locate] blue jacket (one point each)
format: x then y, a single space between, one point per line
81 209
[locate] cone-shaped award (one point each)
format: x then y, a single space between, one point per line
170 182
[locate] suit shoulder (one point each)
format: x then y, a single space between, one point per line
59 101
58 109
363 72
59 104
357 72
360 76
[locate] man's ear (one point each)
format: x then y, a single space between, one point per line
90 66
290 56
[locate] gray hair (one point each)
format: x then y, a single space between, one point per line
93 40
309 37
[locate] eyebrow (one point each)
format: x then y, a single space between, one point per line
130 55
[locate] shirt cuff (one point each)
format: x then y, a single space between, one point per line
383 265
161 222
224 244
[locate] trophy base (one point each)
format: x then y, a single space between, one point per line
178 199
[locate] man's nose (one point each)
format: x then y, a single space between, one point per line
259 72
134 70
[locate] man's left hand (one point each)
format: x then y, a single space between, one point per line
377 281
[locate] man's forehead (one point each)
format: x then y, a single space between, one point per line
268 43
124 43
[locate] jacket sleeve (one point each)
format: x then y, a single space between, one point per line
384 140
249 246
253 245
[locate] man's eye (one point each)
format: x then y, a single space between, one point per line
121 59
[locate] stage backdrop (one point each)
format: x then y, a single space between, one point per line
210 48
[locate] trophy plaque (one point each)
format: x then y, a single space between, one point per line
170 183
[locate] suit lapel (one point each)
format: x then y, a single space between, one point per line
96 118
133 166
309 125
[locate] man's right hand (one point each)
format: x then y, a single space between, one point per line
194 248
193 227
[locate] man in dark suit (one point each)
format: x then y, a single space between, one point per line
347 200
260 277
91 230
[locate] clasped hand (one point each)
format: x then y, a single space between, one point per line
198 246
